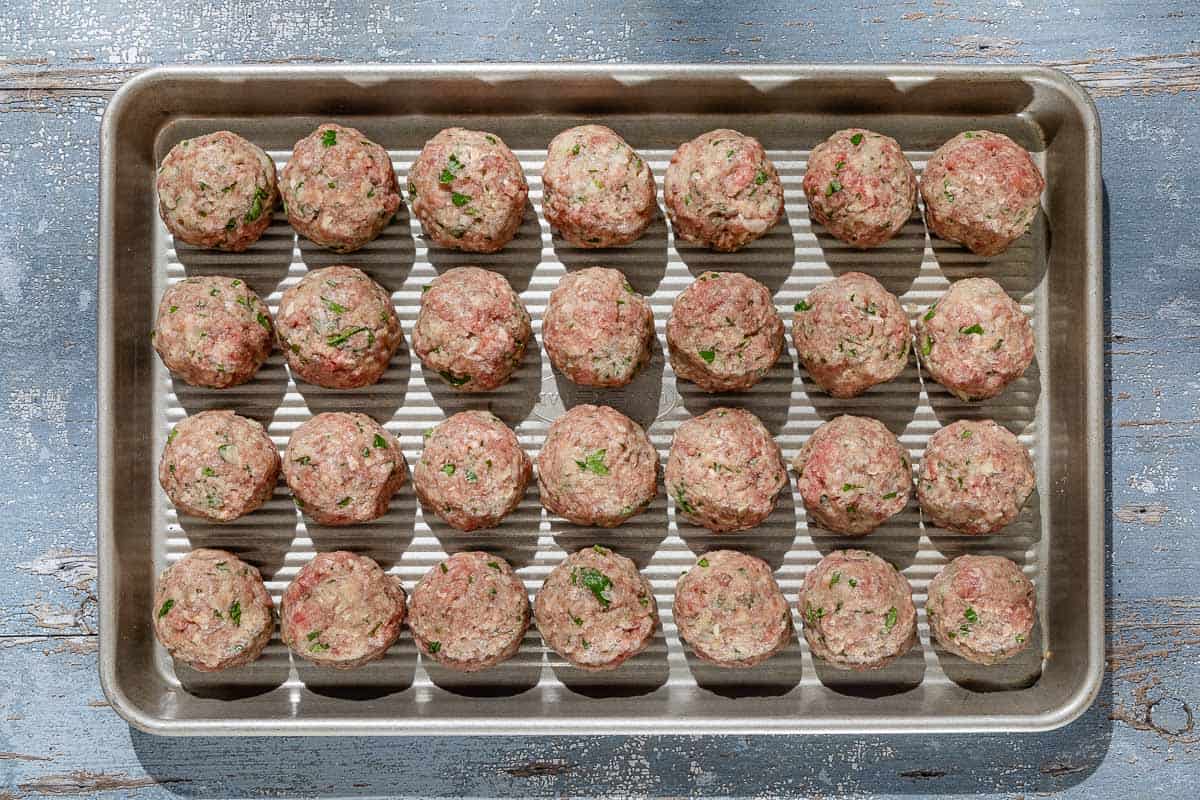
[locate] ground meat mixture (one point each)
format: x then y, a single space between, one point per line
218 466
597 330
851 334
341 611
468 190
730 610
340 188
343 468
860 186
469 612
212 612
338 328
982 608
724 333
858 611
472 472
975 340
725 471
981 189
213 331
597 191
472 329
975 477
853 475
597 467
722 191
217 191
596 610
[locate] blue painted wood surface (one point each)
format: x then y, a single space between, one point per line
59 64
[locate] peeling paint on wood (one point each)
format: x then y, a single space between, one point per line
83 782
23 757
1149 514
1111 75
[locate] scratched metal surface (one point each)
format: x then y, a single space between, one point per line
60 62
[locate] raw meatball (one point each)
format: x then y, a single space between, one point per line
469 612
975 340
597 467
217 191
981 608
725 471
213 331
724 333
981 189
341 611
212 612
340 188
338 328
860 186
730 610
722 191
975 477
473 472
853 475
343 468
597 191
858 611
597 329
218 466
468 190
851 334
472 329
596 610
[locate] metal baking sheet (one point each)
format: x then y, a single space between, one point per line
1056 409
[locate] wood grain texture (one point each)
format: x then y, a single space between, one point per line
61 61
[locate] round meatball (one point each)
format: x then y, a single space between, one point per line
853 475
851 334
724 333
722 191
596 610
469 612
982 608
858 611
597 191
860 186
217 191
725 471
212 612
981 189
343 468
338 328
597 467
468 190
975 477
975 340
472 329
340 188
597 330
218 466
213 331
472 472
341 611
730 610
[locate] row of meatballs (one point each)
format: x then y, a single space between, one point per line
598 467
338 328
469 191
595 609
